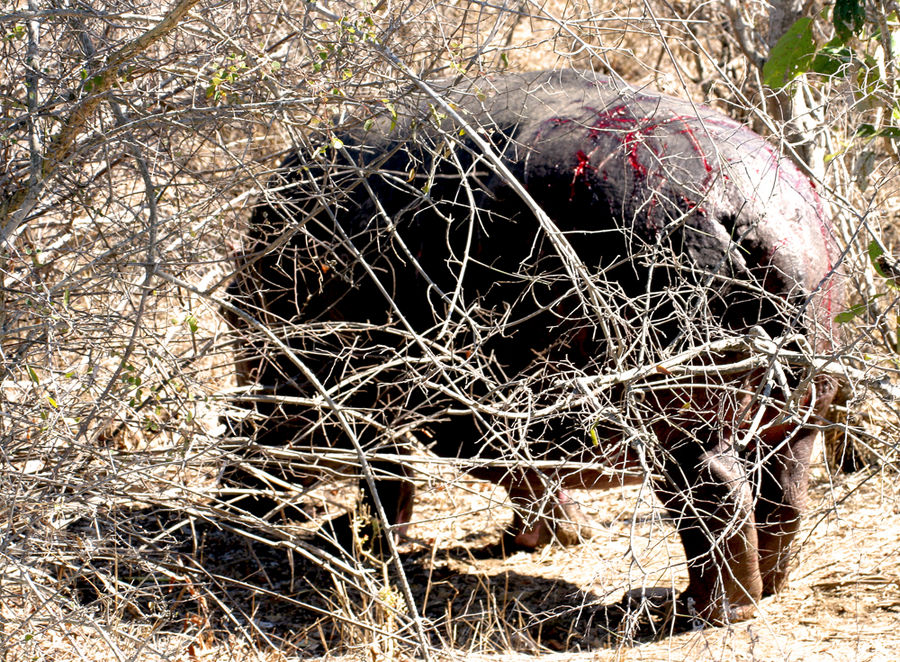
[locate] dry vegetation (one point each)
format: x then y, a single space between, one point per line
134 137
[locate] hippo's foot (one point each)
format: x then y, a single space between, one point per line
715 613
774 581
658 611
563 522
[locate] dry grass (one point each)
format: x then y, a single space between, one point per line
842 603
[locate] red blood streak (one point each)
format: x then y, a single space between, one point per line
581 168
635 135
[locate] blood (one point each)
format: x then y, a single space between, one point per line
581 169
642 139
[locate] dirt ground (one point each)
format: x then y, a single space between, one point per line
255 601
843 601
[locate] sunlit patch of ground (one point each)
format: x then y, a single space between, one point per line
843 602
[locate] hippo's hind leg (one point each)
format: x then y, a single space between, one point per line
708 494
783 484
780 504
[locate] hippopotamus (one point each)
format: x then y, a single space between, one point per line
554 277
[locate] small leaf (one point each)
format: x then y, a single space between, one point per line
32 374
869 131
192 323
336 142
52 402
595 439
852 313
393 111
876 251
791 56
897 336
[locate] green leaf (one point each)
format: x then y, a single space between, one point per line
876 251
393 111
848 18
831 58
869 131
791 56
32 374
852 313
855 311
883 265
192 323
595 439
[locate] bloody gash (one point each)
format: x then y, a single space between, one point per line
574 311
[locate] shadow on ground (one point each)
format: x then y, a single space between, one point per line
293 603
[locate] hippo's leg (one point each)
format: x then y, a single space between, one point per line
782 499
541 515
709 495
538 521
395 491
264 476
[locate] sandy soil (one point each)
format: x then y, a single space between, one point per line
843 602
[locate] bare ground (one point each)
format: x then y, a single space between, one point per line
843 602
260 603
